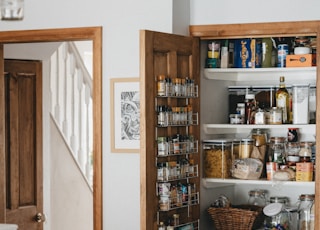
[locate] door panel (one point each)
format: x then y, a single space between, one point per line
174 56
23 106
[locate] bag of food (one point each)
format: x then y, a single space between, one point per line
247 168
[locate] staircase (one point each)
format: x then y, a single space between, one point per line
71 104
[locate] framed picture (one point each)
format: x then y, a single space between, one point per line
125 115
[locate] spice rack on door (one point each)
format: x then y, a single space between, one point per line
174 156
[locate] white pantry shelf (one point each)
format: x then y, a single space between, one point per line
292 74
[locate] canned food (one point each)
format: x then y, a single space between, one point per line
283 51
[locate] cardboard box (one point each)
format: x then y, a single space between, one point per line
304 171
299 60
247 53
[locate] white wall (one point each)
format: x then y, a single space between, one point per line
248 11
68 189
121 21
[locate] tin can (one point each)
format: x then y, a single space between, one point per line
292 134
283 51
271 168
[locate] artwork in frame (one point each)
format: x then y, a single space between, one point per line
125 115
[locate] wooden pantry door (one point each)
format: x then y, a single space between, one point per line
23 144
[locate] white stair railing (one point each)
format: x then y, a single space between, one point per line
71 104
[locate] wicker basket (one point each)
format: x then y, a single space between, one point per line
240 217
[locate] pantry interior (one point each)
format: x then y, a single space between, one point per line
211 105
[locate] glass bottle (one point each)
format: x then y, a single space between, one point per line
282 100
250 104
306 212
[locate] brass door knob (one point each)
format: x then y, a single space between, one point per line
39 217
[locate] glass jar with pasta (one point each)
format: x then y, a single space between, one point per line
217 158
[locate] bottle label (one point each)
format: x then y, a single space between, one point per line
281 102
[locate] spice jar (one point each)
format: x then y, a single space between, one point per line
161 85
257 197
175 219
306 212
217 158
164 203
161 226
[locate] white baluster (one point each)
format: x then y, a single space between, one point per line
57 106
81 155
64 64
73 139
52 81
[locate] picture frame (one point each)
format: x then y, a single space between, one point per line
125 115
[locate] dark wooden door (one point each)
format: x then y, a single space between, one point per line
176 57
23 143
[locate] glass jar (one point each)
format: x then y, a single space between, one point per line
161 85
257 197
275 116
246 147
292 154
235 149
260 137
217 158
164 203
276 217
260 117
277 150
176 219
306 212
305 151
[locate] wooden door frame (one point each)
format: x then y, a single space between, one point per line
56 35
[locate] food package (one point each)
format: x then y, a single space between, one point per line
284 175
247 168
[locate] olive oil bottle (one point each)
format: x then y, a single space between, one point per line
282 101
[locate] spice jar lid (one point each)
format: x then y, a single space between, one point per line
272 209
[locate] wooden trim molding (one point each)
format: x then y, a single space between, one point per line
75 34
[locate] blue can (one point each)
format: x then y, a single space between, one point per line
282 54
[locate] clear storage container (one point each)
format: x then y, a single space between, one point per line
217 158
